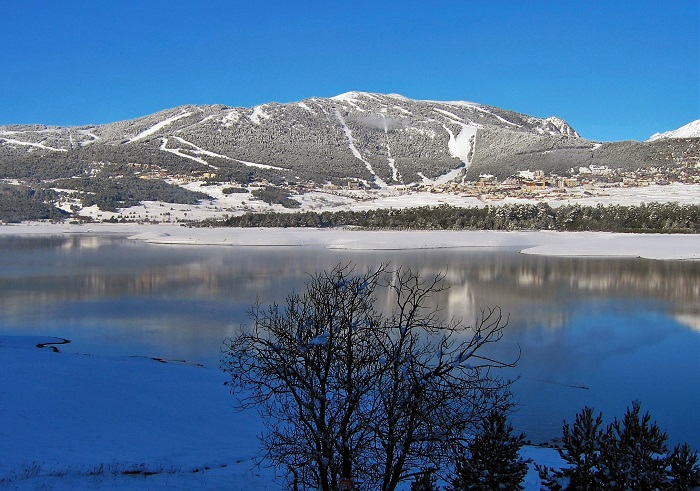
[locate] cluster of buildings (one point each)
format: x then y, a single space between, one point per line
524 184
528 184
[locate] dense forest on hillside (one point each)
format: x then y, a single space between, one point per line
18 203
645 218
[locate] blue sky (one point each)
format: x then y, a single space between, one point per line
613 69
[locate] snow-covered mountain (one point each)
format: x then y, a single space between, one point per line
375 139
690 130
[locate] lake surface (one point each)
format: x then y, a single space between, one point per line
600 332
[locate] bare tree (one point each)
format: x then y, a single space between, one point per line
355 398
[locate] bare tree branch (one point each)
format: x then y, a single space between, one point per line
350 392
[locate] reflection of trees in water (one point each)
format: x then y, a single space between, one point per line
24 242
534 276
535 290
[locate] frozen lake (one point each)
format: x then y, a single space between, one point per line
592 331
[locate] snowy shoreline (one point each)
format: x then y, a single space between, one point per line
546 243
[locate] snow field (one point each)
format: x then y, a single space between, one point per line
76 421
73 414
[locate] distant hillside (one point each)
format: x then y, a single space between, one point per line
367 140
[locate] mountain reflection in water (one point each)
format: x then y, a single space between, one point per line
624 328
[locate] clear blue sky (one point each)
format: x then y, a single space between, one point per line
613 69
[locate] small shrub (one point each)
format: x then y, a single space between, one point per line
273 195
232 190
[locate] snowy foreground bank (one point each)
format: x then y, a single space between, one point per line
75 421
650 246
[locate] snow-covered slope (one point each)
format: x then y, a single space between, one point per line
369 139
376 139
690 130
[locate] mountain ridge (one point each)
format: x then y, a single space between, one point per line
690 130
372 139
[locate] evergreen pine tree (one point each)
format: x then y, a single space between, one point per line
685 473
581 451
491 461
634 453
631 454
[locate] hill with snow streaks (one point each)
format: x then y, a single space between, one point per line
363 139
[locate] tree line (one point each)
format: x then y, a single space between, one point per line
644 218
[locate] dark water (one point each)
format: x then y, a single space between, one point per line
625 329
